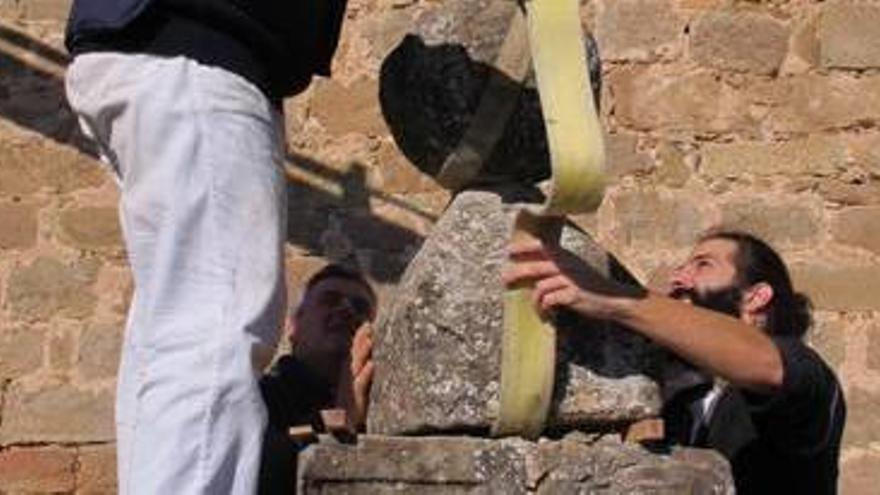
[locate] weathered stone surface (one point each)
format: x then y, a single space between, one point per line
61 348
99 350
670 99
859 473
97 470
48 287
792 221
438 340
865 149
37 470
640 30
810 102
56 412
646 218
814 156
28 166
21 350
849 36
874 346
623 156
828 337
841 287
36 10
344 109
461 465
396 175
862 421
859 226
739 41
18 226
673 164
91 227
849 194
804 47
433 81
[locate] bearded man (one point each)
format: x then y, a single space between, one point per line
776 411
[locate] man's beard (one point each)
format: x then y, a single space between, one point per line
726 300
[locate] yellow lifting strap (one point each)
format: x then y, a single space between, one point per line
574 135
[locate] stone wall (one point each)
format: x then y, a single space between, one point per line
760 114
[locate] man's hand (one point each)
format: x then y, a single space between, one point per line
562 280
356 378
362 368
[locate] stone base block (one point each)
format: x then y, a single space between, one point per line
466 465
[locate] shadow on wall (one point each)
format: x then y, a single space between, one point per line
32 89
337 222
430 95
339 225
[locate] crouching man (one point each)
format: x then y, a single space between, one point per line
329 367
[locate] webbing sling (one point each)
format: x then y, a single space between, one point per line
528 354
497 104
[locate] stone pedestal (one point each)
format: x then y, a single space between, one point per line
438 339
461 465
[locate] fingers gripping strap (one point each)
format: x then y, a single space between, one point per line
528 355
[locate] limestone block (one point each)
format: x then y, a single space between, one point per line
29 165
858 226
438 340
97 469
645 218
91 227
21 349
859 473
862 420
18 226
56 412
790 221
739 41
640 30
37 470
668 98
812 102
623 157
344 109
47 287
828 337
841 287
99 349
849 36
462 465
818 155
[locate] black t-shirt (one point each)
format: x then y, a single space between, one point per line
787 442
293 397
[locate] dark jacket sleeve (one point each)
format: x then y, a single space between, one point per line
804 413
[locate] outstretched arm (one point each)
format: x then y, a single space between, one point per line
725 346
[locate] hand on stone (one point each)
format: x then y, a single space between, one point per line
562 280
362 368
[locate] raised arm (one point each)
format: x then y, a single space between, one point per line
723 345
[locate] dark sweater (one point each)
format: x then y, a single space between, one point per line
276 44
293 397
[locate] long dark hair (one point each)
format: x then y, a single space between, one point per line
789 312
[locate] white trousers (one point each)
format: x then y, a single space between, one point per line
197 152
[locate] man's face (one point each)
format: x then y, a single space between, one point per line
323 325
708 277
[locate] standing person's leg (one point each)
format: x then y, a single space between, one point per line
198 152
